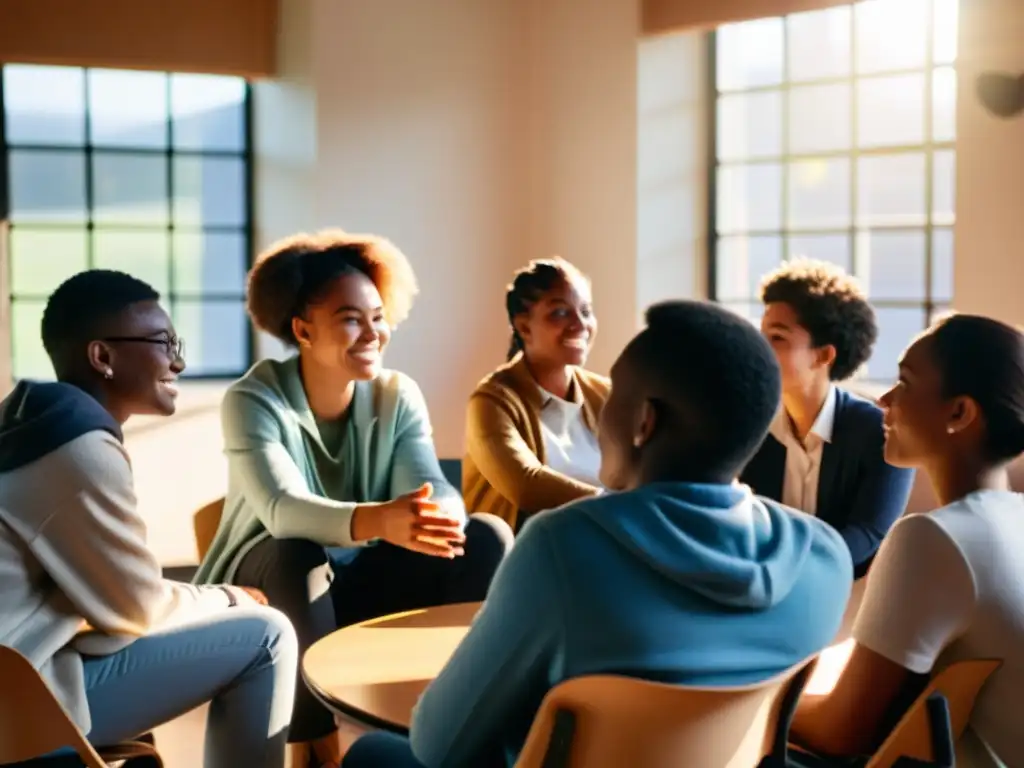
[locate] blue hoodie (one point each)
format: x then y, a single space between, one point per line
679 583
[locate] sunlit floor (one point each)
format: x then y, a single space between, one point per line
181 742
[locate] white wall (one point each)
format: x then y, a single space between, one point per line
672 169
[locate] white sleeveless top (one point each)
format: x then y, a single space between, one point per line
949 585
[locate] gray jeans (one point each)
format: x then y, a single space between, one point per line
242 660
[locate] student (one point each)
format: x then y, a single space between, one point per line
823 453
947 585
336 506
81 595
680 576
530 425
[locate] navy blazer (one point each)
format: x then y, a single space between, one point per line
858 493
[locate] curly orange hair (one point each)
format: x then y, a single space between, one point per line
292 273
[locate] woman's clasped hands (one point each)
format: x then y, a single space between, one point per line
411 521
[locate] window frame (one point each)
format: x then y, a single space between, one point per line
929 305
170 297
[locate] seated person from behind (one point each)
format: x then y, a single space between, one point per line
530 442
73 552
823 453
336 506
684 577
947 585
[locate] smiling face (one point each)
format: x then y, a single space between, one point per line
917 417
140 350
344 330
800 361
559 327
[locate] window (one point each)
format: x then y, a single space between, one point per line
145 172
834 140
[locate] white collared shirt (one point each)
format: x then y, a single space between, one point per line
803 459
570 446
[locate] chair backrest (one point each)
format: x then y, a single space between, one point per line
607 721
32 722
205 523
959 683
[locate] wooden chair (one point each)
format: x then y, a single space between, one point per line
918 736
205 523
606 721
33 724
927 734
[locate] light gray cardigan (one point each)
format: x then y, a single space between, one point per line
73 553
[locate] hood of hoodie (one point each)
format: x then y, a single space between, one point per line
37 418
720 541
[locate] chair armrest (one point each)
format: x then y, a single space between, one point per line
941 731
939 727
560 744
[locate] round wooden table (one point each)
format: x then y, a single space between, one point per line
375 671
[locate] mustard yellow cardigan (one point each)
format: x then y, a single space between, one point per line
504 471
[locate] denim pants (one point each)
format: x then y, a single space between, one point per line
242 660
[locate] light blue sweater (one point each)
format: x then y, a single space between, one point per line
689 584
275 483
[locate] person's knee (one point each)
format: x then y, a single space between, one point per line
272 660
280 632
297 555
488 540
269 629
294 572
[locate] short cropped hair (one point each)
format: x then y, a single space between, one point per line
293 273
75 312
831 306
716 369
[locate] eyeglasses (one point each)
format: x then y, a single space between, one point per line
175 346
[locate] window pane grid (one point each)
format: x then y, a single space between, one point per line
843 80
825 154
145 172
179 226
124 150
864 180
822 231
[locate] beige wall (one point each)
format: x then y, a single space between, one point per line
418 121
990 167
581 64
480 133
